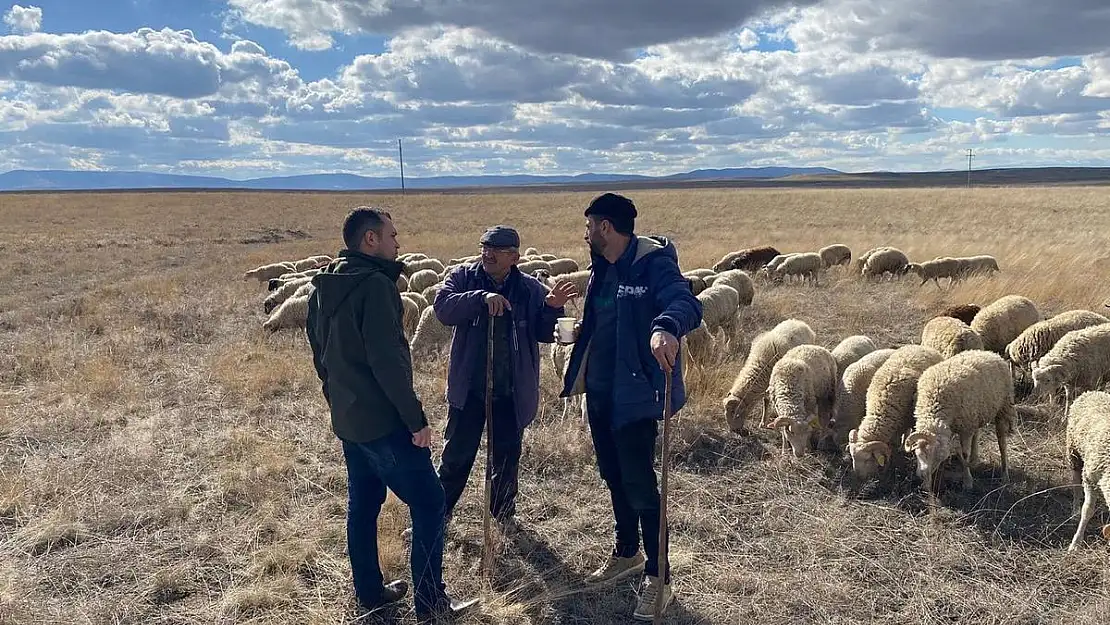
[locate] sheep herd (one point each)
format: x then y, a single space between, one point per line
920 404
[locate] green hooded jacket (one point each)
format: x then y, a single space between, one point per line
359 348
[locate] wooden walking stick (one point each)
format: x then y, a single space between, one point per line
487 516
664 558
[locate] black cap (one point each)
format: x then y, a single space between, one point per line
613 206
501 236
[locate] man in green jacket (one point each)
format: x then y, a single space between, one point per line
362 358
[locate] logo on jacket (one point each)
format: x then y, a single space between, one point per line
626 290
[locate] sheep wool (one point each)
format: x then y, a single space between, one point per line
802 393
413 266
835 254
700 273
1003 320
740 281
1037 339
277 297
888 260
719 306
950 336
857 266
697 285
936 269
265 273
530 267
777 261
963 312
807 265
561 266
850 350
955 398
416 298
726 261
410 315
431 335
851 392
402 283
888 410
1077 362
752 259
429 294
1087 444
292 313
698 344
423 279
751 383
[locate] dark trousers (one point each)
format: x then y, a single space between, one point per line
394 462
625 460
462 438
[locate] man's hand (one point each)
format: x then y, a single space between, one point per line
664 346
562 293
497 304
423 438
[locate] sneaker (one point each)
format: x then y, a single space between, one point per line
448 608
617 569
391 593
645 608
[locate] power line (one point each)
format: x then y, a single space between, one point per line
401 159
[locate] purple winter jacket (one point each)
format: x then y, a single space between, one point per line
461 303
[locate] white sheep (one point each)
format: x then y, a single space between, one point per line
1079 361
700 273
977 265
548 257
411 256
560 266
808 265
292 313
802 394
402 283
423 279
531 252
851 392
429 294
1087 451
889 408
431 335
738 280
698 344
413 266
1003 320
885 261
751 383
277 297
850 350
580 279
835 254
720 304
530 267
410 315
265 273
559 355
943 267
950 336
417 298
857 266
311 262
776 262
955 398
1036 340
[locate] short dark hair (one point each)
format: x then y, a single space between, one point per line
618 210
361 220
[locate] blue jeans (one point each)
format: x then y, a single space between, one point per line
394 462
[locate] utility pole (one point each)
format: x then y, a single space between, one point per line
401 159
970 155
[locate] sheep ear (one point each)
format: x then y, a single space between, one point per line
852 437
881 459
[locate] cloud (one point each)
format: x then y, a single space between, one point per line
23 19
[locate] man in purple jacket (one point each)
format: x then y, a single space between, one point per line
523 313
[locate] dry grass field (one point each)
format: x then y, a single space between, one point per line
165 460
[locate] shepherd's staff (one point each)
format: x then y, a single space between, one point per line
664 558
487 516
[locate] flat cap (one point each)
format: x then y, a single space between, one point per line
501 236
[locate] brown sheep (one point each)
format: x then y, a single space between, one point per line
963 312
754 258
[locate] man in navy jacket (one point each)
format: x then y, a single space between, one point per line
523 313
638 306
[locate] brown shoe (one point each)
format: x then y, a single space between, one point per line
617 569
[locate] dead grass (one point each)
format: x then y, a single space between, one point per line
162 459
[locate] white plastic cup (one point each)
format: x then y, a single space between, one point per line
565 328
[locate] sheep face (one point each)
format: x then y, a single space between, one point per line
867 458
736 412
1048 379
930 450
796 433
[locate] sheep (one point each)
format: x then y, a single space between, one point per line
858 265
278 282
807 265
431 335
275 298
402 283
751 383
977 265
774 263
955 398
417 298
726 261
465 260
888 410
719 305
423 279
850 350
413 266
559 355
535 265
410 315
311 262
411 256
698 344
740 281
851 392
835 254
531 252
560 266
429 294
1037 339
697 285
963 312
885 261
551 257
802 393
580 279
950 336
1077 362
267 272
935 269
700 273
1087 450
292 313
751 259
1003 320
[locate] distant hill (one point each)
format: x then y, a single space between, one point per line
61 180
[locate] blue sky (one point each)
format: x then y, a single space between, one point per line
244 88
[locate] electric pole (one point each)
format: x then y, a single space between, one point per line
970 155
401 159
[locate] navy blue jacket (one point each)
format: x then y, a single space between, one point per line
651 295
461 303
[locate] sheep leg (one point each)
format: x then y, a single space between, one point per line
1085 515
1002 430
973 455
1076 489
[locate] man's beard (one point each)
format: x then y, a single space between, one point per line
597 247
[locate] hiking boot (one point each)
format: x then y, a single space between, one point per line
645 608
391 593
617 569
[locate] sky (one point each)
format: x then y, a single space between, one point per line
250 88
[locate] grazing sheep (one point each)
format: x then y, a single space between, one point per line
963 312
751 383
402 283
857 266
740 281
955 398
580 279
697 285
977 265
885 261
700 273
417 298
429 294
850 350
423 279
410 315
807 265
548 257
835 254
719 304
950 336
465 260
936 269
1037 339
535 265
276 283
889 405
267 272
414 266
292 313
431 335
1078 362
726 261
560 266
276 298
311 262
851 393
1088 455
777 261
411 256
698 344
802 393
1003 320
751 259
